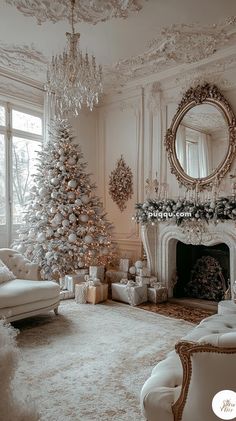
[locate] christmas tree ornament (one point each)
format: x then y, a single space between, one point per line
85 199
41 237
132 270
72 217
72 238
88 239
71 195
55 181
72 184
78 202
83 218
138 264
71 161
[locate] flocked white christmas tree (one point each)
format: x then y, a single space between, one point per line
65 227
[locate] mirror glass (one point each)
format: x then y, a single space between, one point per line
202 140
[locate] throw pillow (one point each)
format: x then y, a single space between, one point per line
5 273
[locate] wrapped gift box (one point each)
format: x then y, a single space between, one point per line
144 272
85 293
65 294
153 281
115 276
97 294
81 293
97 272
142 280
133 295
157 295
124 265
75 278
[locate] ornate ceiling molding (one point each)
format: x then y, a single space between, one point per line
206 122
175 45
92 11
22 59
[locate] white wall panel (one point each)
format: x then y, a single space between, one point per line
85 131
121 133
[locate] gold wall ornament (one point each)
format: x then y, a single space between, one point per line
192 119
121 184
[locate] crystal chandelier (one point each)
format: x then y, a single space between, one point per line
72 77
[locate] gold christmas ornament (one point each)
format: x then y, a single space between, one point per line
121 184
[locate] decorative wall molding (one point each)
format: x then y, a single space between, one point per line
20 91
154 97
175 45
85 11
23 59
214 74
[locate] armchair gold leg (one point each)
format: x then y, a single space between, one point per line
56 311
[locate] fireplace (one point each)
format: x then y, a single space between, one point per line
160 244
201 271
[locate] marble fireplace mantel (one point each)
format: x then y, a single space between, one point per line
160 242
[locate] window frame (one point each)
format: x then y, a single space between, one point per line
9 133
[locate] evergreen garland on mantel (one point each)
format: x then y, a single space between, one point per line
220 210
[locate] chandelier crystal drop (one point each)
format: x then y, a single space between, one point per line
73 78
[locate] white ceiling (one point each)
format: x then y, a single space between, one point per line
109 41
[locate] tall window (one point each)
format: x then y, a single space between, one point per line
21 134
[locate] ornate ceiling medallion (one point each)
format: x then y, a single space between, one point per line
92 11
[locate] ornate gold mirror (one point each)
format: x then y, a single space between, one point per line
201 140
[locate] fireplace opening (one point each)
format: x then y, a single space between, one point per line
202 271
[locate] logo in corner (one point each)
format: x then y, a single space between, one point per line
224 404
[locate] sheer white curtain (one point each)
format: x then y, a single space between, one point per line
192 159
205 158
181 146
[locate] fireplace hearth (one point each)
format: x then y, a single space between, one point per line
202 271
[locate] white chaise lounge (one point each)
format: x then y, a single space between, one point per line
27 295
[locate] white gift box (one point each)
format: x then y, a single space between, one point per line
115 276
65 295
144 272
76 278
153 281
142 280
157 295
83 271
81 293
133 295
97 272
124 265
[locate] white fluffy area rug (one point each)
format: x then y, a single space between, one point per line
89 363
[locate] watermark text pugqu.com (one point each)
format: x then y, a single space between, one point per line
166 215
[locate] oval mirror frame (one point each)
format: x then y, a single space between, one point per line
202 94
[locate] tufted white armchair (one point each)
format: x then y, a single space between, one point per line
182 386
28 294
